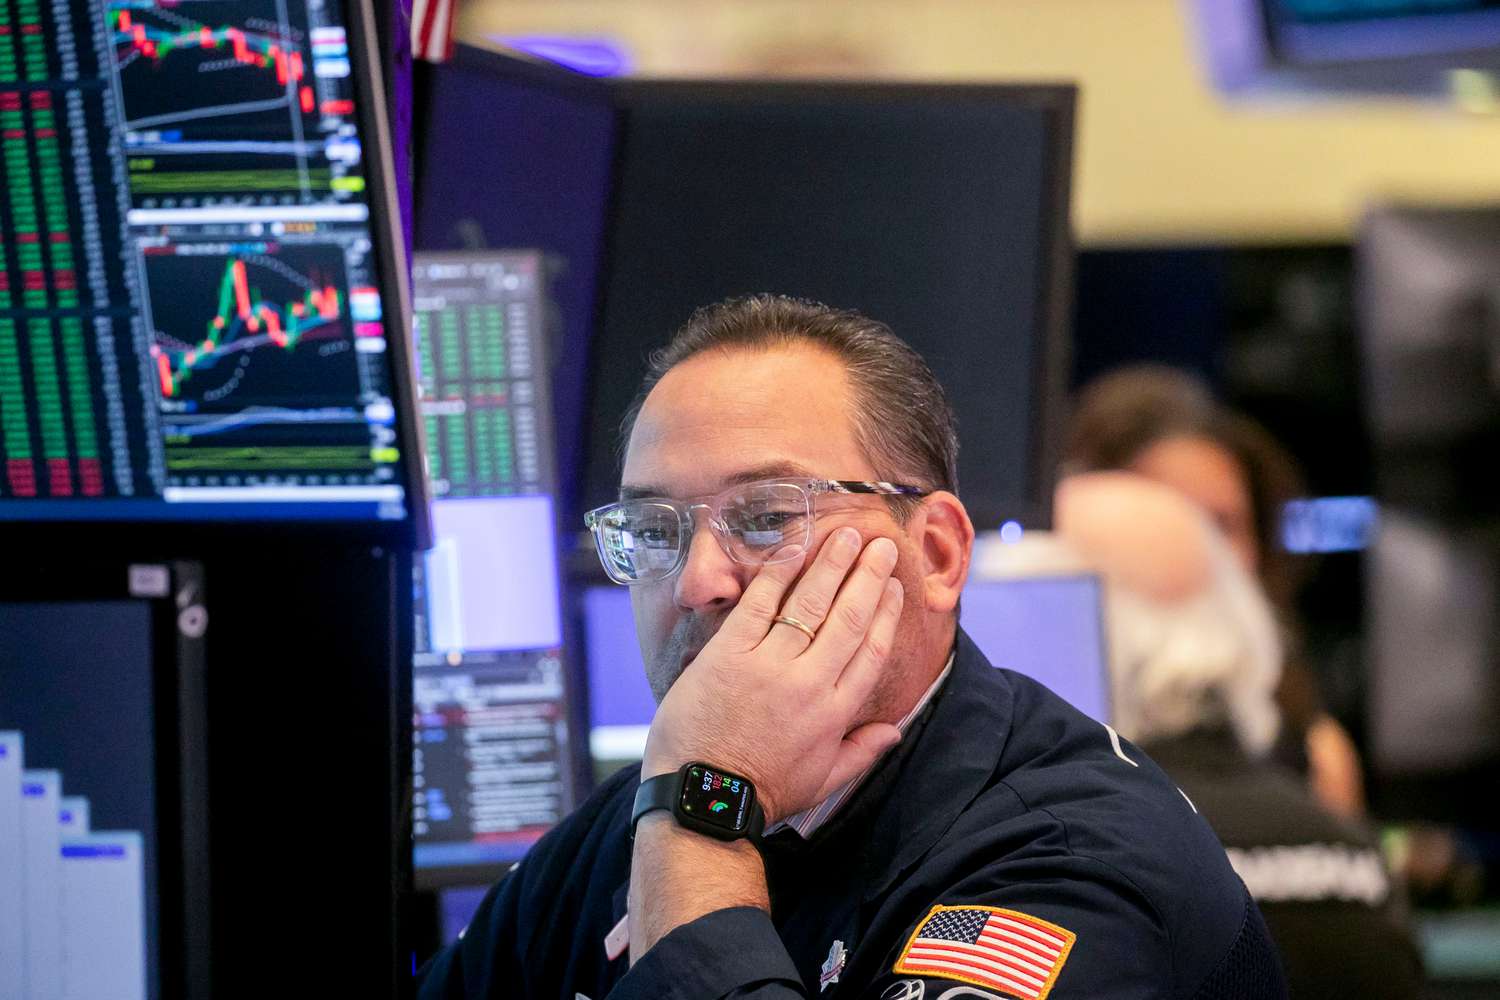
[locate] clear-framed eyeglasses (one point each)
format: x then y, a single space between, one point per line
645 540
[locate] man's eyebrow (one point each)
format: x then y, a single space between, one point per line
770 470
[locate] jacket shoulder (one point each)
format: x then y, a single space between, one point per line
1102 800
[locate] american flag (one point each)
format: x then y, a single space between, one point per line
432 29
988 946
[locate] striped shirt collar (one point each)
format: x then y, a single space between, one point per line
806 823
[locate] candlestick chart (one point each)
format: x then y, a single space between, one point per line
254 356
247 90
262 321
249 63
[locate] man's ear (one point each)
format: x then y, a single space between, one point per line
946 536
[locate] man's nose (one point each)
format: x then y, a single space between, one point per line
709 580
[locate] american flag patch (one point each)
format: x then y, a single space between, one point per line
988 946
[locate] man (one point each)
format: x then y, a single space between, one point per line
1194 657
933 827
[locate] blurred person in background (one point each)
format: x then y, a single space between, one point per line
1165 425
1194 656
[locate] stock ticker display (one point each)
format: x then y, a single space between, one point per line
491 763
190 316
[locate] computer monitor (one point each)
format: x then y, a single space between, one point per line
201 286
101 831
1407 47
940 210
621 705
1049 628
1429 334
493 758
542 141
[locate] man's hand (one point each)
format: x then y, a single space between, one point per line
764 701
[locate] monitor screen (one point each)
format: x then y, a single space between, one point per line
621 705
939 210
492 759
78 886
199 280
1049 628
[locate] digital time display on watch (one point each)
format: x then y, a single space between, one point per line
717 798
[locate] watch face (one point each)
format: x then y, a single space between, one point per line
717 798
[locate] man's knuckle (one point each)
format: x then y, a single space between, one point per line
812 606
854 617
758 606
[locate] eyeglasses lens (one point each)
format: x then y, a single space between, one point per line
640 541
763 518
643 540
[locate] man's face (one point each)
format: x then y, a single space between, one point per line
720 419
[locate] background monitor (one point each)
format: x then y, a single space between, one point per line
199 272
1429 332
516 154
493 759
940 210
1408 47
621 705
1049 628
97 844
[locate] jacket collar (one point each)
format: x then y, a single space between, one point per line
947 759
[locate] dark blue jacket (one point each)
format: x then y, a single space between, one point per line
1002 797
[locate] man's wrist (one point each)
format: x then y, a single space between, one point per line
686 875
749 810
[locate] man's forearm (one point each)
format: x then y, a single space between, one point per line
678 876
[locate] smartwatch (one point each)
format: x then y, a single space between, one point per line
705 799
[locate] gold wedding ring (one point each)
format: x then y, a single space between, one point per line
794 623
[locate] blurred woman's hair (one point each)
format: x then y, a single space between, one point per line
1120 415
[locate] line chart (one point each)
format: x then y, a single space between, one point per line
264 324
175 69
231 101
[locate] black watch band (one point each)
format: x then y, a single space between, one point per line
705 799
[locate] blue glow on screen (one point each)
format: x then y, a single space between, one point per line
1328 524
1051 629
589 56
479 597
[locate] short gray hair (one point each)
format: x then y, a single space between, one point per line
1212 658
901 416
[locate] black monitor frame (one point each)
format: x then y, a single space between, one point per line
179 621
393 267
1053 359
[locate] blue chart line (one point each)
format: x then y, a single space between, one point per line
256 416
